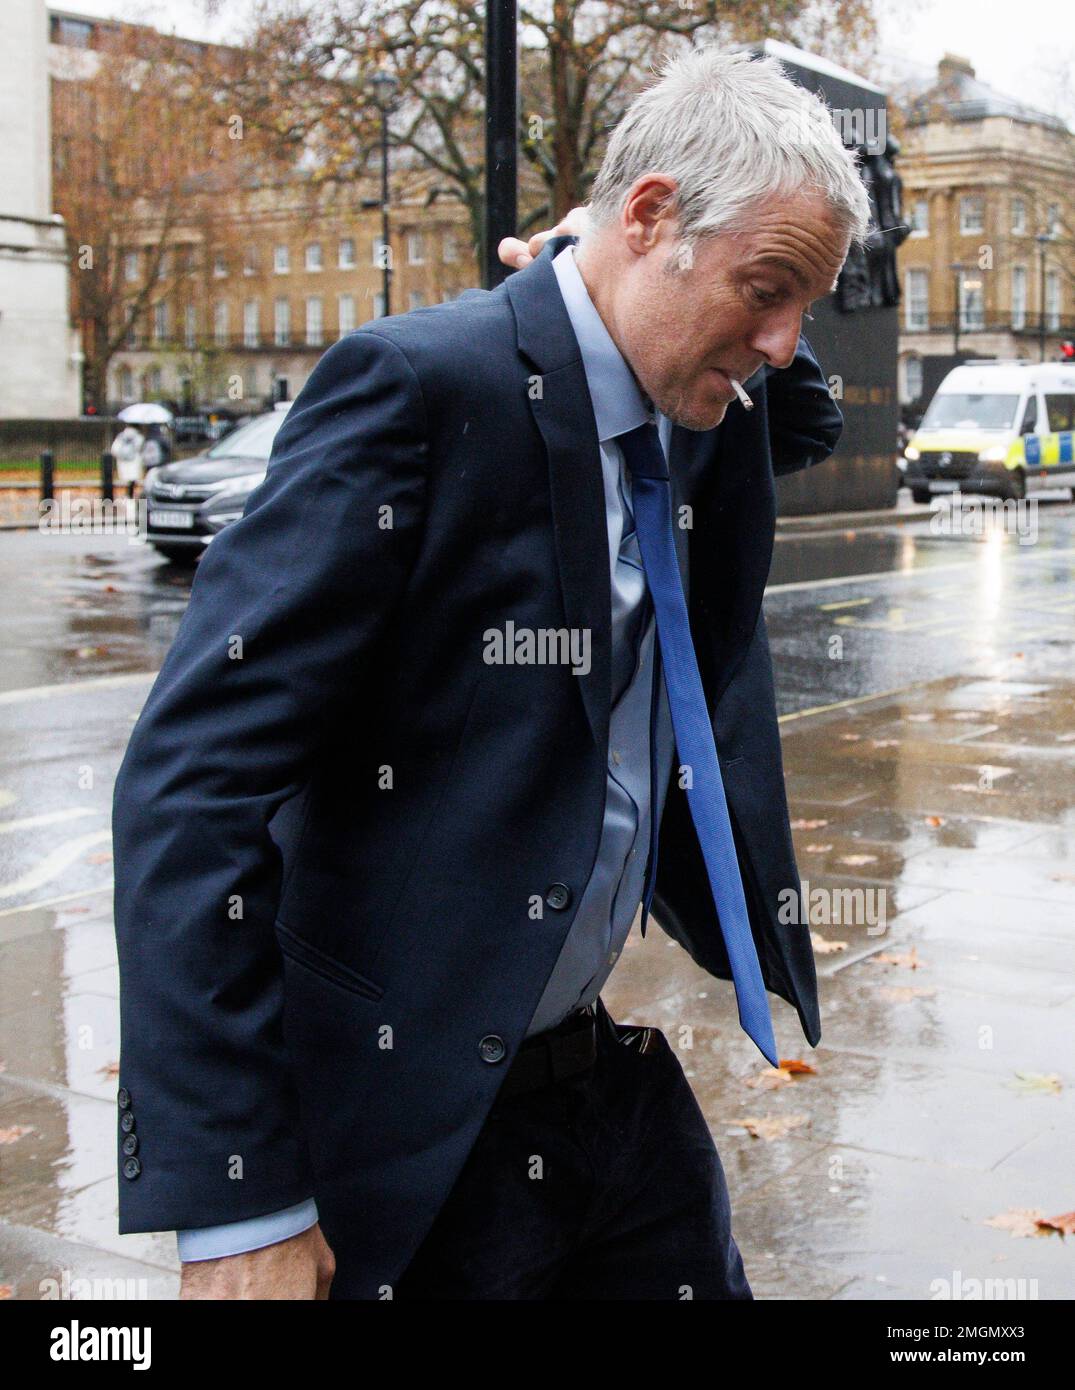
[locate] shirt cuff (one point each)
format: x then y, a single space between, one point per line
237 1237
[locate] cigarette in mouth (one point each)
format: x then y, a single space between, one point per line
744 399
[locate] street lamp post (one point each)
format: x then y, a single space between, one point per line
1042 239
384 89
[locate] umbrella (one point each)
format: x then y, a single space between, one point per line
145 414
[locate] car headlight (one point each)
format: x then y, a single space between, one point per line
242 482
996 453
912 453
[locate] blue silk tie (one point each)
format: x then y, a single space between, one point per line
652 503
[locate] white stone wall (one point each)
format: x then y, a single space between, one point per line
39 369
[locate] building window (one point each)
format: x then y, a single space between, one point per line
416 300
154 381
190 326
920 217
250 261
347 313
220 268
971 216
415 248
315 259
971 301
251 333
1052 219
220 323
315 321
1052 300
378 305
1018 297
75 33
126 384
450 246
916 312
281 323
1018 217
912 379
281 260
160 321
347 253
250 382
130 266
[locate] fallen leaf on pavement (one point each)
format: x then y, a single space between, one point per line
1038 1082
770 1127
1063 1225
818 849
14 1132
801 824
900 994
826 948
854 860
935 820
1020 1221
911 959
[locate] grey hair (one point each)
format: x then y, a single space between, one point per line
733 131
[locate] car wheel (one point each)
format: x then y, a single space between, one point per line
1016 489
178 554
920 494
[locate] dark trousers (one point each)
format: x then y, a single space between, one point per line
606 1185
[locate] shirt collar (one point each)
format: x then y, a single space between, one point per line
618 403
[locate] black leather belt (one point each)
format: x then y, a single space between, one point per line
561 1052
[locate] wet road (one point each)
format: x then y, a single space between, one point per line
927 698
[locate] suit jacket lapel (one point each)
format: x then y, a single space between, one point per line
563 411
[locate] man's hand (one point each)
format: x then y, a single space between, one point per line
518 253
299 1268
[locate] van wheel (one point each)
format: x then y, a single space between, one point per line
1016 485
920 494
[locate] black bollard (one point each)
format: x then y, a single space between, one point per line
107 473
47 464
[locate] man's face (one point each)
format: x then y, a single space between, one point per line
734 306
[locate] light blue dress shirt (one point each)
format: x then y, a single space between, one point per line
613 894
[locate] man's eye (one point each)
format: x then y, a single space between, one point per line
763 296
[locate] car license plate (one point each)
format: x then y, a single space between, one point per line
170 519
945 485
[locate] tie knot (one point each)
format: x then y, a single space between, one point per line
643 453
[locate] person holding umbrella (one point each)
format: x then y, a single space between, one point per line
133 452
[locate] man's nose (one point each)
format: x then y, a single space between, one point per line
777 341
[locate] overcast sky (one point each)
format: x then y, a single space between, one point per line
1027 50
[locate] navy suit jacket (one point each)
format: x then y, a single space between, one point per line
336 827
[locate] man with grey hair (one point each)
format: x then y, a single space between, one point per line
389 875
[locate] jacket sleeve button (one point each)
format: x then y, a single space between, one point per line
491 1048
131 1168
123 1096
126 1121
558 896
130 1144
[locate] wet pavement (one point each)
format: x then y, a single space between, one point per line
926 689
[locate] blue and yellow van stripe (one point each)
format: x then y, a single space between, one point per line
1042 451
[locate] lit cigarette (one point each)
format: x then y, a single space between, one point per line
744 399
